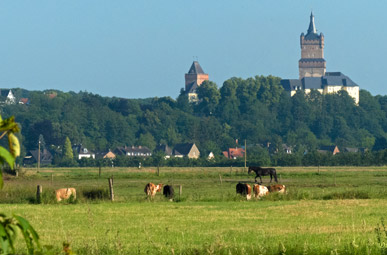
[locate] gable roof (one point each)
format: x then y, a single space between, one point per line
33 155
183 148
196 68
165 149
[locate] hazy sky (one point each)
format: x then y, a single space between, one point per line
143 48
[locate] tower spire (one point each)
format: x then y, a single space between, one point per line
312 27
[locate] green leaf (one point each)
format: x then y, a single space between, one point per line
5 154
14 145
28 230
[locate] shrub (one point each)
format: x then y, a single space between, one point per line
96 193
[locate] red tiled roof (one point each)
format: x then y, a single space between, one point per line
234 153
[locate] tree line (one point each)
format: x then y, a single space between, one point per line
256 109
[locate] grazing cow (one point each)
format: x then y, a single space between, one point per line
168 192
244 189
260 191
151 189
277 188
65 193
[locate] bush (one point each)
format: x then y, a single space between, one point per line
96 193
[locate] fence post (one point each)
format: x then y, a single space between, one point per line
52 179
111 189
180 189
99 171
39 192
220 178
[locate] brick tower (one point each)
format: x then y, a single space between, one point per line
193 79
312 62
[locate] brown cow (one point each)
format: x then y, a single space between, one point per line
260 191
277 188
151 189
244 189
65 193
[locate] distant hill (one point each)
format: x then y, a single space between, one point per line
256 109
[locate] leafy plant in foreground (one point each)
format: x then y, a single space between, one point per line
10 227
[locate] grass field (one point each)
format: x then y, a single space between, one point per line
326 211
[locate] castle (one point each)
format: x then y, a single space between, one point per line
193 79
312 69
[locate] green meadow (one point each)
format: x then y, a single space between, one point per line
335 210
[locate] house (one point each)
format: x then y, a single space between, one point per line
7 97
33 155
329 149
83 152
164 149
134 151
355 150
186 150
109 154
272 148
24 100
287 149
234 153
211 156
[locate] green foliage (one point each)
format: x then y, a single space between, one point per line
256 109
11 226
67 150
96 193
9 229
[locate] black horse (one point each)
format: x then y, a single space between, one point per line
259 171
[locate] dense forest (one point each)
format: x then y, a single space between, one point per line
255 109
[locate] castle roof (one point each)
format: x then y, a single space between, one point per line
329 79
311 82
312 31
291 84
337 79
196 68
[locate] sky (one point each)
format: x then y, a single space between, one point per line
143 48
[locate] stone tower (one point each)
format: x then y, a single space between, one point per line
193 79
312 62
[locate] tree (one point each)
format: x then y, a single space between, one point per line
209 96
67 150
147 140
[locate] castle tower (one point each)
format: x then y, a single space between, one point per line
312 62
193 79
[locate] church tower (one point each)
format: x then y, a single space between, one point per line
312 62
193 79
